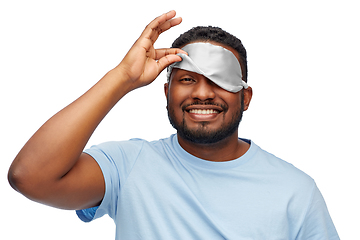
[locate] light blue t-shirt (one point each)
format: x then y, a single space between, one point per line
157 190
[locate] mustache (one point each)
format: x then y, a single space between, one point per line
205 103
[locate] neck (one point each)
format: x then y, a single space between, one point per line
227 149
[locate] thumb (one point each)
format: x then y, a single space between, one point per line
167 61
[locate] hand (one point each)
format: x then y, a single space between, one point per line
142 64
44 171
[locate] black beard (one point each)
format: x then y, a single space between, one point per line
203 136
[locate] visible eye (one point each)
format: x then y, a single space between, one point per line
186 80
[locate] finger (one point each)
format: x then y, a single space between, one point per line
167 61
154 24
169 24
162 28
159 25
161 19
159 53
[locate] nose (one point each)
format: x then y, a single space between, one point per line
203 89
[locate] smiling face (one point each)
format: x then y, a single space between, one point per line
201 111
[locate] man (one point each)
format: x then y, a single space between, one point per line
202 183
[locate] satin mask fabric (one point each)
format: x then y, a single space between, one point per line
214 62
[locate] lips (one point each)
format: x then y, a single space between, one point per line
204 111
204 105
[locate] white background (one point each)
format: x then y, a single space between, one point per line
303 59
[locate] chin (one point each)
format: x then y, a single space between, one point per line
202 136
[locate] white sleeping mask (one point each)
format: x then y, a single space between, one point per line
215 63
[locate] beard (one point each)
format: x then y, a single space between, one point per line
202 135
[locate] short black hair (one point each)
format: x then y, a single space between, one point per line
215 34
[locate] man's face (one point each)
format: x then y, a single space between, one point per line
201 111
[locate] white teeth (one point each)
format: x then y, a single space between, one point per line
203 111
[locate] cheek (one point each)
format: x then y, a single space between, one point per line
177 96
174 104
232 100
235 103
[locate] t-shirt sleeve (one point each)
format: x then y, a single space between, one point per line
116 160
317 223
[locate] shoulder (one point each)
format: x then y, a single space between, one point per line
283 170
127 149
117 147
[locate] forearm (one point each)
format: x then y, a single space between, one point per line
54 149
51 168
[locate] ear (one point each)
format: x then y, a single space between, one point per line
247 97
166 89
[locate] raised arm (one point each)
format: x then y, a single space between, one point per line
51 167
